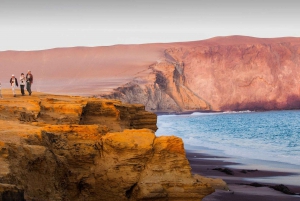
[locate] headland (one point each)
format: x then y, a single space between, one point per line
56 147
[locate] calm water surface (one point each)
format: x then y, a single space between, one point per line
268 136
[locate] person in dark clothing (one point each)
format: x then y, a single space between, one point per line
13 82
22 83
29 81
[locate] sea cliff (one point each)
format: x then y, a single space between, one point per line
76 148
219 74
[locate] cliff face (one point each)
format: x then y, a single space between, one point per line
250 75
74 148
222 73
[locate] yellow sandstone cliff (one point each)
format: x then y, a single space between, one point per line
75 148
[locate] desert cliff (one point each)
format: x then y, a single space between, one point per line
75 148
218 74
249 75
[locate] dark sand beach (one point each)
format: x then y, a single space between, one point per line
241 177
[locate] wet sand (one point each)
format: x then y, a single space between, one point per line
203 163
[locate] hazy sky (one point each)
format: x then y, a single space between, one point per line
35 25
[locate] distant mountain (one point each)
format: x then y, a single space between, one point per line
218 74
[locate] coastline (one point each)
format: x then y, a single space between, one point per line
189 112
186 112
245 172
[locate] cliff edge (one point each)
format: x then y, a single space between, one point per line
74 148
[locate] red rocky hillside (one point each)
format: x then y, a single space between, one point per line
218 74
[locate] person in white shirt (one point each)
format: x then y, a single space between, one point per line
13 82
22 83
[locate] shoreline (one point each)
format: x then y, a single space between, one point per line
186 112
221 111
203 161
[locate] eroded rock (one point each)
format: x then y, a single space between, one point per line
97 150
220 74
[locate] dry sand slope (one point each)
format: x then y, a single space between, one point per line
222 73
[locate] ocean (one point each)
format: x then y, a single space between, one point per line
272 136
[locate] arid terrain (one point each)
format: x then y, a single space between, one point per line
55 147
218 74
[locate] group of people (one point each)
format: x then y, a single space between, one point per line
24 80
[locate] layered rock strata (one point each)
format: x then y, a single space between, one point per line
244 74
74 148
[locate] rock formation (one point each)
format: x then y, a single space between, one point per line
74 148
249 74
218 74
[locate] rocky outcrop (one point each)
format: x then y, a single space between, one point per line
75 148
166 90
242 74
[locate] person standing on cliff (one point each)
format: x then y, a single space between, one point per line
29 81
13 82
22 83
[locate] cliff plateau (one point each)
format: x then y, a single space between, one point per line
74 148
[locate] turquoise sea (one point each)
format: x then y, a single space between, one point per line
272 136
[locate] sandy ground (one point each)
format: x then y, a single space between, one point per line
203 163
